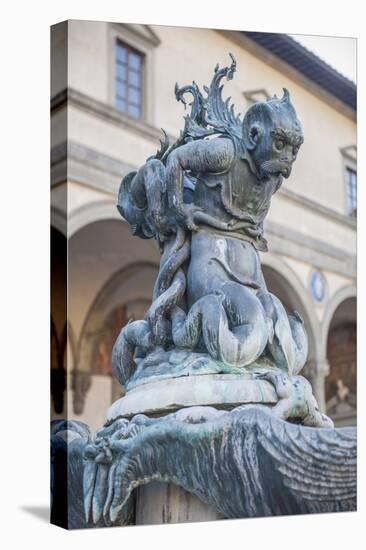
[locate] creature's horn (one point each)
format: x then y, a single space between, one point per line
286 96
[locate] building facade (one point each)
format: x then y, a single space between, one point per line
112 90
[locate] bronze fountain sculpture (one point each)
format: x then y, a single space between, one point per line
214 402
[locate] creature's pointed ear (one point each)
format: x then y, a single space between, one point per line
286 96
252 135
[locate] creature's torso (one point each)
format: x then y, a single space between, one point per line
237 194
216 259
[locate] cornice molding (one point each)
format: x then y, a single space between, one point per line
319 254
74 98
144 32
318 208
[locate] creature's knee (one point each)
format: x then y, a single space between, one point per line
242 305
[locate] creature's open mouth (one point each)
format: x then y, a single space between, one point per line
285 170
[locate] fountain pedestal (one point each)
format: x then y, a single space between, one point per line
159 503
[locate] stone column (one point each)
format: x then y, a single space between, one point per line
316 371
158 503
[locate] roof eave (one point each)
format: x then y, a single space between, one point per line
245 40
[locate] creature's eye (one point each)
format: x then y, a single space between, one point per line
279 144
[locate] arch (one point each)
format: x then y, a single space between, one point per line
127 286
59 220
340 335
92 212
299 298
344 293
123 284
97 251
108 267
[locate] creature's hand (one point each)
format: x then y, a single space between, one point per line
186 215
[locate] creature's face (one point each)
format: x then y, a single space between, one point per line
276 151
273 135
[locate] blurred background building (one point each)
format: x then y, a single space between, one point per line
112 91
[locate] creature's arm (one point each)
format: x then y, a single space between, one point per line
199 156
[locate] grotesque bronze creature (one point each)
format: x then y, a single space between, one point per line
217 334
205 199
